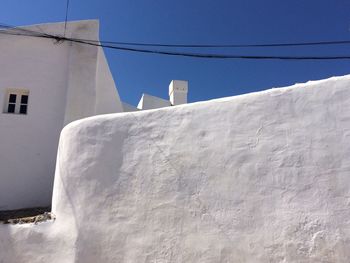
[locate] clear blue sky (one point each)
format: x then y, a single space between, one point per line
204 22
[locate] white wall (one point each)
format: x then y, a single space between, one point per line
107 97
178 90
262 177
148 102
64 83
29 142
91 86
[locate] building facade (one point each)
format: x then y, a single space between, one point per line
44 85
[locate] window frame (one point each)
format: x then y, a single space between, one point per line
20 103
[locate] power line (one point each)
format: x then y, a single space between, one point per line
217 56
65 21
315 43
321 43
171 53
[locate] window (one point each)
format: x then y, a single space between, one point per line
12 103
16 101
24 104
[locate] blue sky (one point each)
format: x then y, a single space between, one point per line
205 22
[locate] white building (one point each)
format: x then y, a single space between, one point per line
178 90
45 84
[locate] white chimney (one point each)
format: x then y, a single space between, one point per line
178 92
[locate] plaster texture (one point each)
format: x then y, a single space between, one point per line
65 81
262 177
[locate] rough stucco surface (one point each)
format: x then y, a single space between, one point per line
262 177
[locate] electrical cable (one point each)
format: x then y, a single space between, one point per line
65 21
215 56
172 53
335 42
341 42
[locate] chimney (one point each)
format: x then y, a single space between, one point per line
178 92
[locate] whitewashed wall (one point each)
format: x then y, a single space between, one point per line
262 177
61 77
